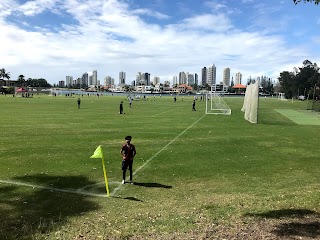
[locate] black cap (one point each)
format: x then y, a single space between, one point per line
128 138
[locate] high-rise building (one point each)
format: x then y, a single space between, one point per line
175 80
238 78
190 79
95 78
226 76
85 80
204 76
211 75
182 78
155 80
146 78
69 80
61 83
139 79
196 79
108 81
122 78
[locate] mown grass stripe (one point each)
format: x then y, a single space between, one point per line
299 117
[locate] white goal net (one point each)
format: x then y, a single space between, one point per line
216 105
251 103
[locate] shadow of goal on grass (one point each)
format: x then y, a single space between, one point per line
293 222
152 185
26 212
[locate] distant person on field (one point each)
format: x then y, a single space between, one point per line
130 102
128 151
121 107
194 105
79 102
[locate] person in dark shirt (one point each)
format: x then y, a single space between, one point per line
79 102
128 151
194 105
121 107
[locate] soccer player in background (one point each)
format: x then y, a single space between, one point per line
121 107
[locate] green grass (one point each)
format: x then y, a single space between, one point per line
201 170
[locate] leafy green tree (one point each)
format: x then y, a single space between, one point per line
4 75
21 80
195 87
41 82
287 83
298 82
312 1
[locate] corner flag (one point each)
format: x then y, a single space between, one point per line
98 153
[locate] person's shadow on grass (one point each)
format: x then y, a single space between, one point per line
26 211
151 185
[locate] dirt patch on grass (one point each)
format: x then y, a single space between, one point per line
284 224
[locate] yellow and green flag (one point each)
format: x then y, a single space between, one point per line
98 153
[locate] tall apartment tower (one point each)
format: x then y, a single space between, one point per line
174 81
238 78
196 79
95 78
146 78
85 79
226 76
122 78
156 80
108 81
69 80
211 75
190 79
204 76
182 78
139 79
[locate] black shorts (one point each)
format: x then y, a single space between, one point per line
126 165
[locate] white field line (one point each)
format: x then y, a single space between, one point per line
53 189
150 159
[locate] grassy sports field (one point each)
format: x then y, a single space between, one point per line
196 176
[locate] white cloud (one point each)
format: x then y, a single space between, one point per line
35 7
7 7
110 36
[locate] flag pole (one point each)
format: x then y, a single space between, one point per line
98 153
105 176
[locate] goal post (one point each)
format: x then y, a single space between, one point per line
216 105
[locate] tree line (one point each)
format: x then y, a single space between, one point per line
22 82
303 80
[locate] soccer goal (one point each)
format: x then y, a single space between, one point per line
216 105
251 103
282 97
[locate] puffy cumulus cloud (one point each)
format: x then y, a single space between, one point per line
7 7
207 22
112 36
35 7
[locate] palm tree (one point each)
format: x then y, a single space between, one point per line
4 74
21 80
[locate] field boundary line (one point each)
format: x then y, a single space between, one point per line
73 191
150 159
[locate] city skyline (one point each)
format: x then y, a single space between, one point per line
53 39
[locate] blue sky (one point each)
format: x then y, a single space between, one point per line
55 38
